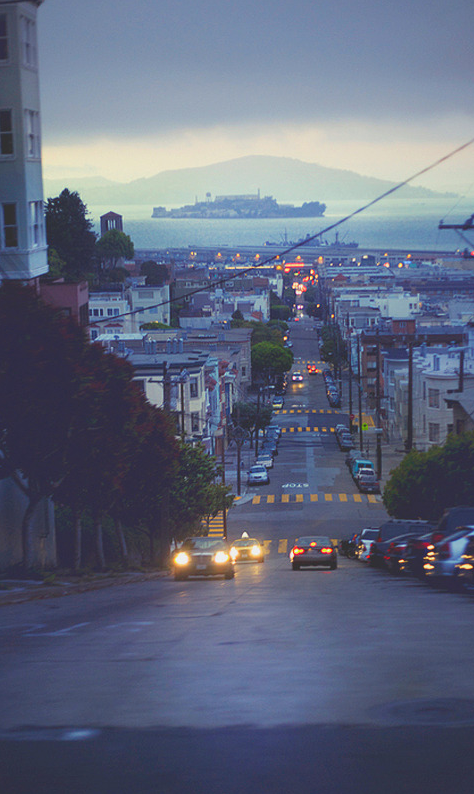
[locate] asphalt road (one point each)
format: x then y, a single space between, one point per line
280 681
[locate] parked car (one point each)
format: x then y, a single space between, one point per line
394 557
203 556
273 429
364 544
394 528
313 550
341 428
360 463
258 475
452 518
367 481
277 403
440 560
464 567
345 441
265 459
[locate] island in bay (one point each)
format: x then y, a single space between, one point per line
242 206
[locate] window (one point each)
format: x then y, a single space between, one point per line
449 429
193 387
110 312
36 223
195 422
28 42
6 133
32 133
433 398
9 230
3 38
424 390
433 432
116 312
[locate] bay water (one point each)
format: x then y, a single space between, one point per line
392 223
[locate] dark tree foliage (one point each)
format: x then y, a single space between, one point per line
114 246
270 360
156 273
250 415
39 352
70 235
426 483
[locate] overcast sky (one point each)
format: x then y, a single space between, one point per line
133 87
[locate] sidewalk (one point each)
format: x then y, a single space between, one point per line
17 591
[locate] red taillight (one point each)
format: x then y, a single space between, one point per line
326 550
297 550
436 537
444 551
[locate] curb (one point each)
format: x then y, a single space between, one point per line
36 593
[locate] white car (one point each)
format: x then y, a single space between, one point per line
297 377
258 475
265 459
367 537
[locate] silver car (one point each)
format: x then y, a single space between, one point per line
258 475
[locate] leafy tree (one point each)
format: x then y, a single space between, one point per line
156 273
195 495
39 354
70 235
280 311
114 246
426 483
153 326
264 332
270 360
250 416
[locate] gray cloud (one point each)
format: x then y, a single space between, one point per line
128 67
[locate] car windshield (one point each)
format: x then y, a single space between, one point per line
201 543
257 469
246 542
320 541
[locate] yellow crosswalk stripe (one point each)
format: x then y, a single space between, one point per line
343 497
314 497
266 545
282 545
371 497
357 497
256 500
299 497
328 497
292 498
285 498
270 499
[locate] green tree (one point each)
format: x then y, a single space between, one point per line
250 415
426 483
70 235
40 353
195 495
113 247
156 273
270 360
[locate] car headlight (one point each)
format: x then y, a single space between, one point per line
221 556
182 558
234 553
255 551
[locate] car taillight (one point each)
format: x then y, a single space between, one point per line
444 551
297 550
436 537
326 550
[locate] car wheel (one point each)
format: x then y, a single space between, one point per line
229 574
295 566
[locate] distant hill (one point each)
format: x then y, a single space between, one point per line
285 178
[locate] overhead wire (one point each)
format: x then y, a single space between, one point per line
294 246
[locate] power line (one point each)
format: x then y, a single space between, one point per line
301 243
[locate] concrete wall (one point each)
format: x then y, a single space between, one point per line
12 507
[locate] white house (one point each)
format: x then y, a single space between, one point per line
23 249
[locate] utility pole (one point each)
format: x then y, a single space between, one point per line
409 441
360 394
183 434
349 342
224 511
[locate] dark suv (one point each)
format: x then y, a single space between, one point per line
393 529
